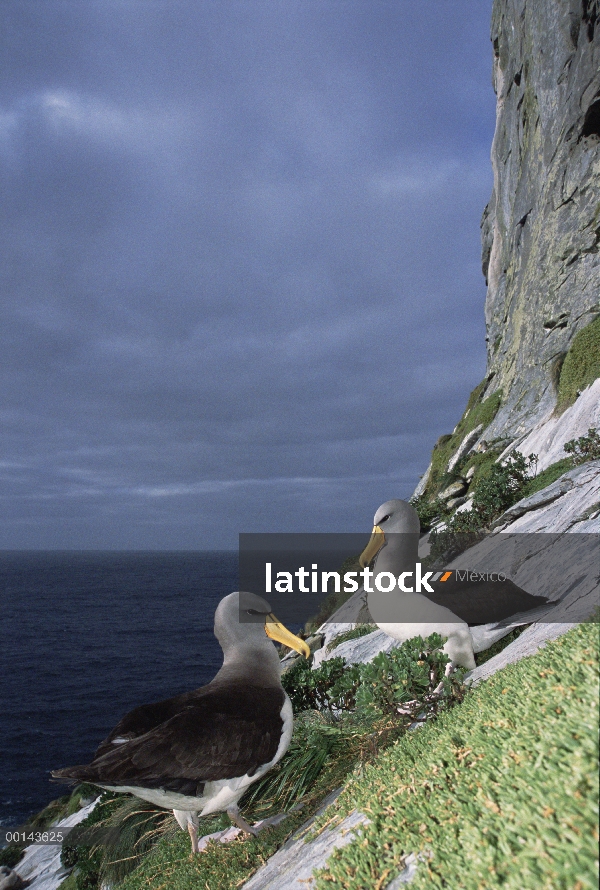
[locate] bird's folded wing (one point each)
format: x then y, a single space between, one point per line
483 602
145 718
224 733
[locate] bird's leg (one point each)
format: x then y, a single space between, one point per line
450 668
237 819
192 828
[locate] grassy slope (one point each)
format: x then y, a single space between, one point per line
502 790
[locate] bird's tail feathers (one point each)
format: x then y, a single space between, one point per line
485 635
70 775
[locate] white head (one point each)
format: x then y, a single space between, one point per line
244 627
397 516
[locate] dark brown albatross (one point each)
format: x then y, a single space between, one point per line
197 753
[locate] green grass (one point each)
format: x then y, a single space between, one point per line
547 476
170 865
581 365
483 462
502 791
362 630
476 412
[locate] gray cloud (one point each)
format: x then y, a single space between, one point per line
241 285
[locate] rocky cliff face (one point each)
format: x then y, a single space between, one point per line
541 228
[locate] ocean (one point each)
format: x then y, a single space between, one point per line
84 638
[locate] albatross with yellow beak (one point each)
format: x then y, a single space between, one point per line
198 752
470 614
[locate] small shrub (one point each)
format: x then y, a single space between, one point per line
502 487
11 854
428 511
585 448
406 676
406 673
332 687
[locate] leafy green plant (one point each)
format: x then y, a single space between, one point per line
502 487
408 673
332 687
407 678
428 511
584 448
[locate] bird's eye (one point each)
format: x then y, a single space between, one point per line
254 612
385 518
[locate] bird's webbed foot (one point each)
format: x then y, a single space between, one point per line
237 819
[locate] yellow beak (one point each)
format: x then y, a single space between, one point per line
275 630
376 542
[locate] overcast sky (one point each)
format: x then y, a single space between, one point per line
241 279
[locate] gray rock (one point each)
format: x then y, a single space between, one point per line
314 642
41 867
359 651
408 872
456 489
469 474
464 447
453 503
422 483
530 641
540 234
291 867
9 879
566 505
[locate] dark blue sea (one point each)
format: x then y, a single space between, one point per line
85 637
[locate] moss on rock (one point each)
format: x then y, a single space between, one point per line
581 365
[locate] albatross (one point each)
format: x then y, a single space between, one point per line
198 752
470 614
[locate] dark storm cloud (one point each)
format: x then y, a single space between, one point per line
241 285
